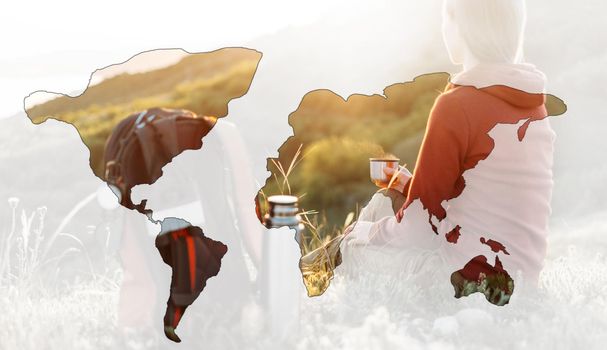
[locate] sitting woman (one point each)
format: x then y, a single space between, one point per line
480 193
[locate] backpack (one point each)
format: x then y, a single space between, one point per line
143 143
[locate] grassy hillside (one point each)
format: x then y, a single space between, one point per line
336 138
203 83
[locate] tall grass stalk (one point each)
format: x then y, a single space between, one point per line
286 172
25 252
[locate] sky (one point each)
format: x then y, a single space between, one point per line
42 52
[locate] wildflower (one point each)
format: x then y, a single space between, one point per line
42 211
13 202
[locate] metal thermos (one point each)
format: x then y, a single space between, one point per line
283 284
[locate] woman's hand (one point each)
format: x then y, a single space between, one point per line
401 177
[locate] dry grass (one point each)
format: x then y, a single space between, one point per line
37 308
373 303
319 244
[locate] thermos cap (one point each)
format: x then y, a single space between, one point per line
283 200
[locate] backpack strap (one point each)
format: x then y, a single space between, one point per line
154 148
114 168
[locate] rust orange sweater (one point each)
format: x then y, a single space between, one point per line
485 165
457 139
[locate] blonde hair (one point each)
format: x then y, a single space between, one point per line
492 29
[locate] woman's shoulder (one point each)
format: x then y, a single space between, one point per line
458 94
470 100
450 103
